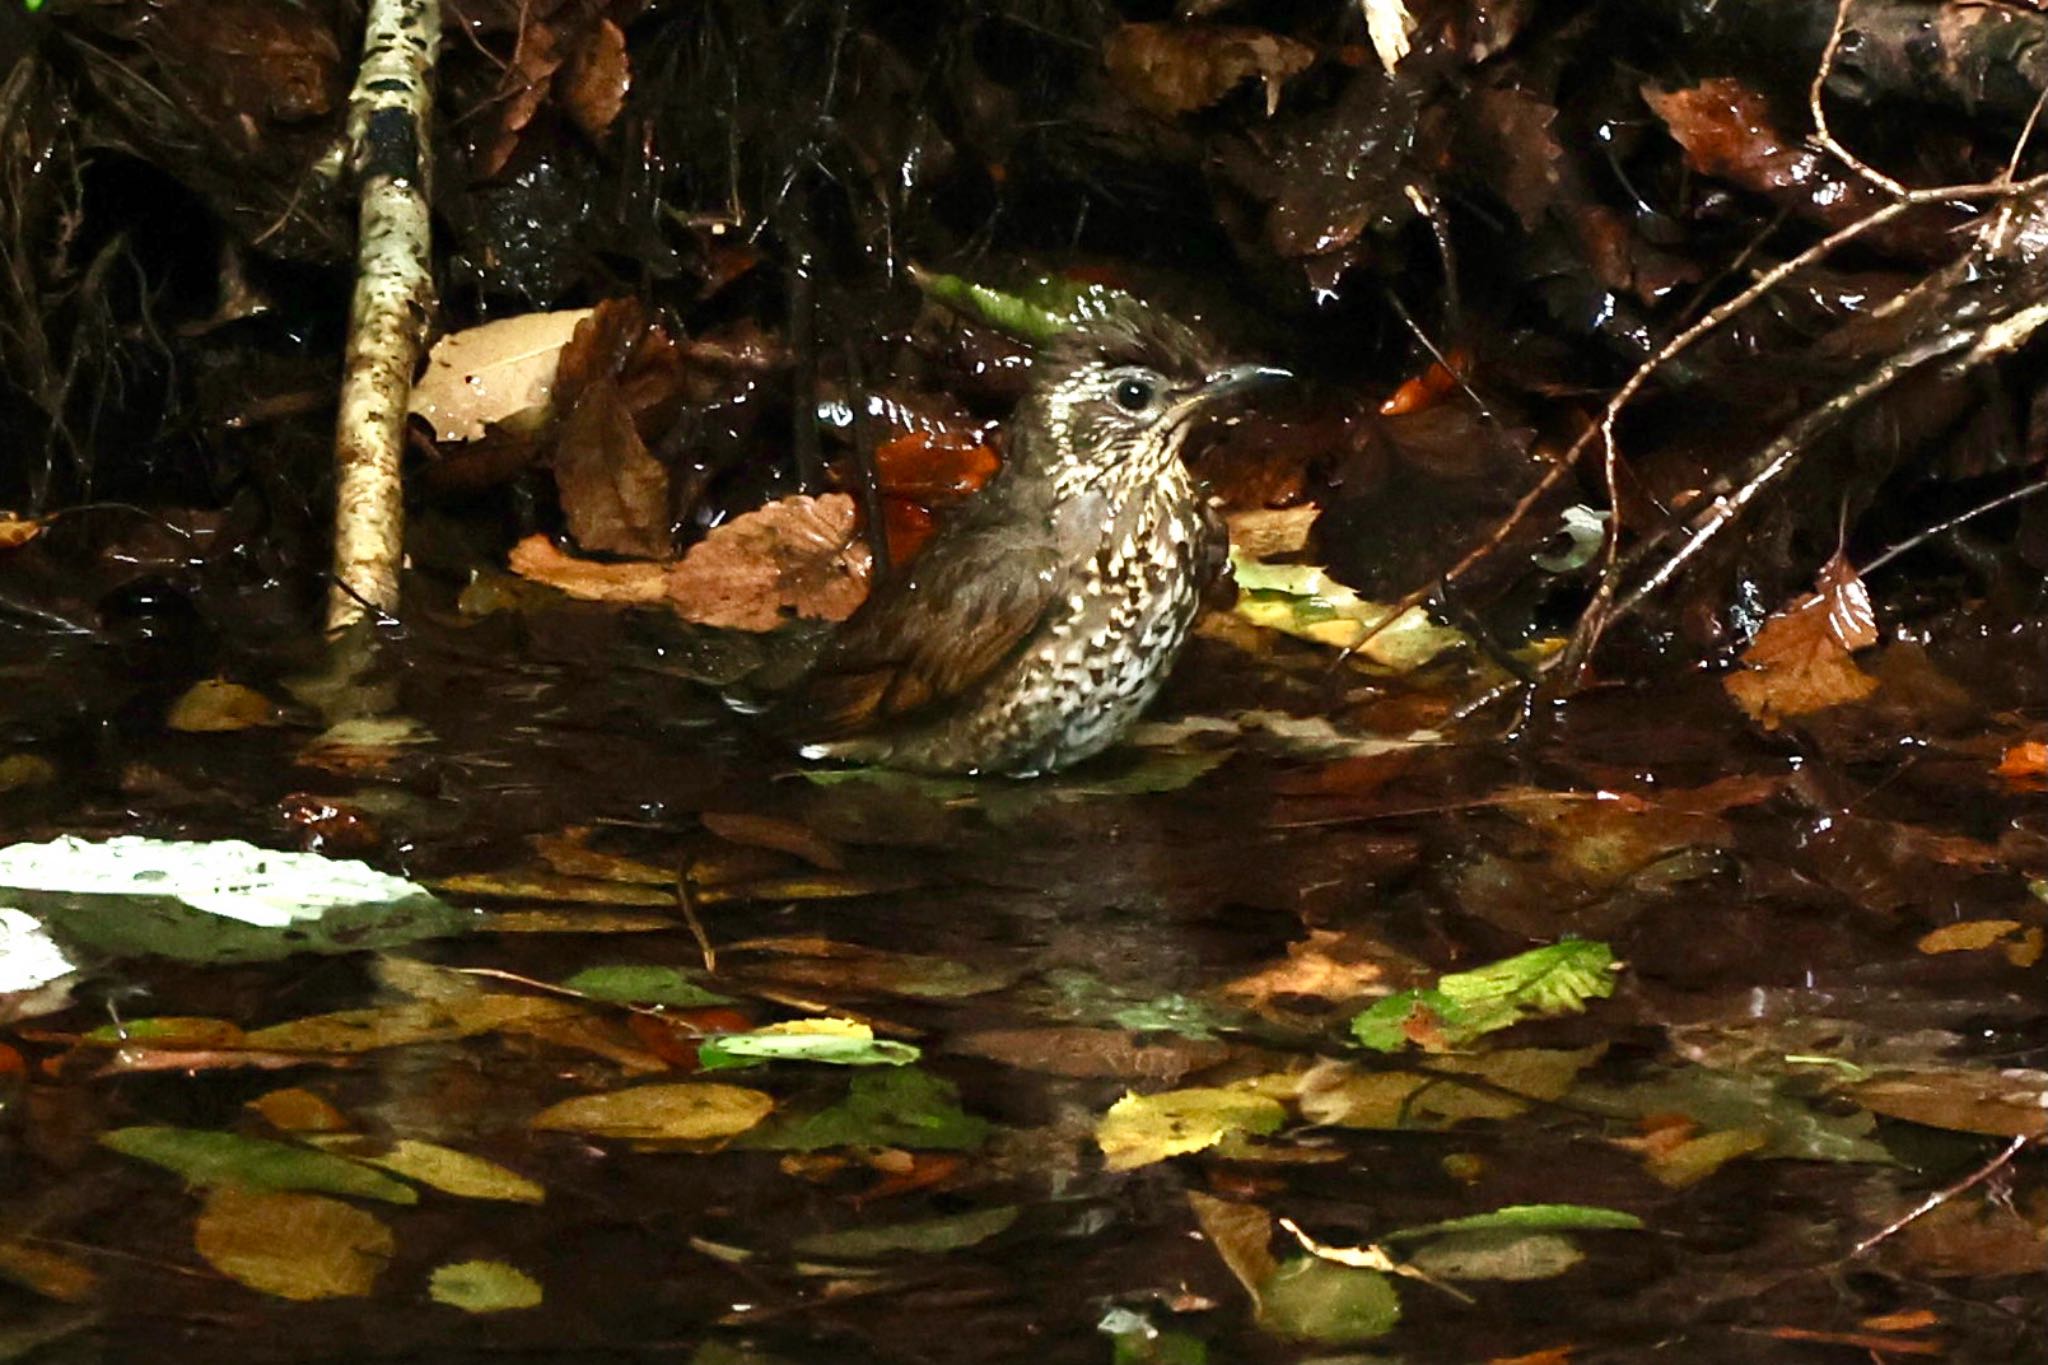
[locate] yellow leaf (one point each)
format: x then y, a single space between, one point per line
684 1112
292 1245
1141 1129
441 1168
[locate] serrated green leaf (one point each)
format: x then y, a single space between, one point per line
207 1157
1462 1006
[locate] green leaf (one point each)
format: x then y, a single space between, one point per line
1304 601
1311 1299
1138 1342
930 1237
1463 1006
1039 310
643 984
1527 1218
900 1107
224 901
834 1042
483 1287
207 1157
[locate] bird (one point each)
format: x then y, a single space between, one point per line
1043 618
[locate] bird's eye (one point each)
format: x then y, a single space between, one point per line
1133 395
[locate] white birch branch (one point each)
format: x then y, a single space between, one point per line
390 155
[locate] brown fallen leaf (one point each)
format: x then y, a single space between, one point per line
49 1273
1173 69
1800 661
1327 965
1106 1053
1242 1235
798 557
2007 1104
2025 765
767 831
588 580
594 87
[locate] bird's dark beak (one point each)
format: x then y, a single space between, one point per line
1241 379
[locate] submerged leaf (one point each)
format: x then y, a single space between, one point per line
931 1237
1303 600
207 1157
1311 1299
1527 1218
900 1107
682 1112
483 1287
441 1168
644 984
291 1245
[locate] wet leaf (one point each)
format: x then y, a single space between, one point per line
833 1042
1116 1054
216 706
408 1022
1507 1083
1141 1129
2020 944
1311 1299
1038 310
931 1237
215 902
1174 69
1512 1257
1304 601
801 557
829 965
1559 979
169 1031
208 1157
292 1245
295 1110
1527 1218
593 88
439 1168
15 531
490 373
1800 661
2007 1104
483 1287
1242 1235
900 1107
49 1273
683 1112
644 984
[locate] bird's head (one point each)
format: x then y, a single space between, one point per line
1114 401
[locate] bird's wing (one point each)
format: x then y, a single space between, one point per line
929 636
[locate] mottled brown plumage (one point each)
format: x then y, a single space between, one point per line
1043 617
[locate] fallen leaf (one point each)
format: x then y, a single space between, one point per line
930 1237
487 374
797 557
2025 764
215 705
895 1107
439 1168
1800 661
593 88
16 532
1109 1053
1389 25
1139 1130
483 1287
2021 944
1242 1235
48 1273
406 1023
834 1042
683 1112
1175 68
208 1157
2007 1104
1312 1299
297 1110
614 493
292 1245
